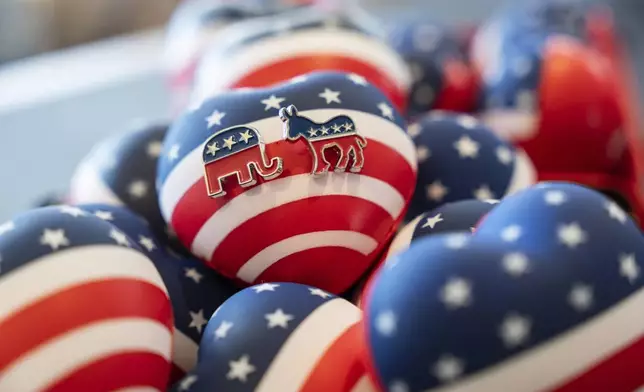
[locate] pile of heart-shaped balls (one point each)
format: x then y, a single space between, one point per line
345 203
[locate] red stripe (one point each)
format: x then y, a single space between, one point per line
621 372
332 269
340 368
78 306
282 70
459 88
303 216
176 374
134 369
381 162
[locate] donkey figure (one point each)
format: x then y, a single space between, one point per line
338 133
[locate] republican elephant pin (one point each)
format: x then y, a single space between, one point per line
237 151
339 134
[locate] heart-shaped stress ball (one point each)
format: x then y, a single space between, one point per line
282 337
195 290
83 309
460 158
304 182
546 295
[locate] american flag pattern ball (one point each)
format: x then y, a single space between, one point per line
282 337
196 291
322 229
442 78
83 308
121 171
270 50
545 295
460 158
457 216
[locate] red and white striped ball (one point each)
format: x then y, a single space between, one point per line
272 49
282 337
288 224
83 309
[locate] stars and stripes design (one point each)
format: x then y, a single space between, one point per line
545 295
196 291
295 227
457 216
459 158
269 50
82 307
269 346
121 171
442 78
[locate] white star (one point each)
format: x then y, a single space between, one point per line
319 293
212 149
514 330
54 238
432 221
229 142
484 193
154 149
456 293
193 274
105 215
492 201
571 235
272 102
398 386
278 319
73 211
330 96
436 191
448 368
265 287
386 110
554 197
422 153
119 237
515 264
7 227
187 382
511 233
240 369
147 243
299 79
467 122
628 267
215 118
197 320
222 330
467 148
615 211
173 153
137 189
414 130
245 136
456 241
357 79
385 323
504 155
581 297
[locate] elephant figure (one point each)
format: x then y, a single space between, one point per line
338 133
239 151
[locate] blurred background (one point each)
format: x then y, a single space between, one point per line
73 71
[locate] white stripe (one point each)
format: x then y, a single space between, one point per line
44 276
218 69
184 351
364 384
138 389
564 358
87 187
307 344
524 174
190 170
403 238
60 357
279 192
279 250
